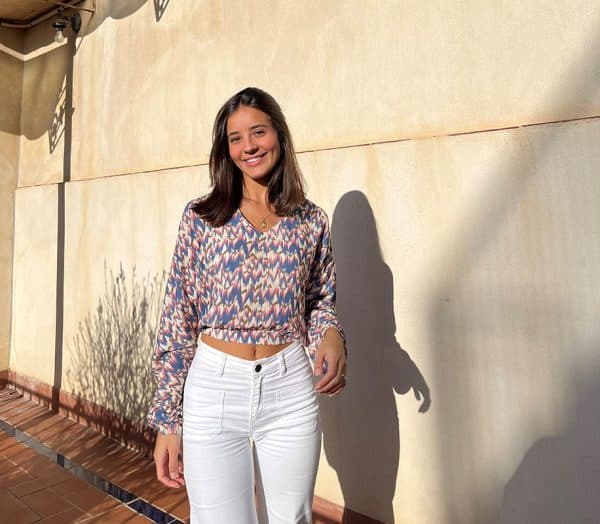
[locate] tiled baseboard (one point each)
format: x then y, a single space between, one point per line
135 435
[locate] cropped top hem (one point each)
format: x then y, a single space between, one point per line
252 336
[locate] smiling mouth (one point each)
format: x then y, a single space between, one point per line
254 160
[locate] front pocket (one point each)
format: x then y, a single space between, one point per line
297 401
202 411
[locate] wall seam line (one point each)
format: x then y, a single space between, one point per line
333 148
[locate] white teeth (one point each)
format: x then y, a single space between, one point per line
253 160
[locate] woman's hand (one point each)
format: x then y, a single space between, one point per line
169 468
331 351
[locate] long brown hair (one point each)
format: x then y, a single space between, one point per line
286 184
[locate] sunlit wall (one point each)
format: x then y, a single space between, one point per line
454 146
11 75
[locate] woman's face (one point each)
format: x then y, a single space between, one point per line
253 142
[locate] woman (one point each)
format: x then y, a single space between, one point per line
251 290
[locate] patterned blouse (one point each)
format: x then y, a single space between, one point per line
238 284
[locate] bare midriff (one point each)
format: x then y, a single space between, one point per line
245 351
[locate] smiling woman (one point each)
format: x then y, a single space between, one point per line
249 309
253 143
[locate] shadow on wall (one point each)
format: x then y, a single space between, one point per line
110 355
459 309
557 481
45 108
361 428
10 68
160 6
56 131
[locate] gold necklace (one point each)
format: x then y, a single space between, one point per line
263 221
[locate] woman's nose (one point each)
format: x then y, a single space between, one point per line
250 146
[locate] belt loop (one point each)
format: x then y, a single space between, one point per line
282 368
221 367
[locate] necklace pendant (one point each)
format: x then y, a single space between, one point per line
263 224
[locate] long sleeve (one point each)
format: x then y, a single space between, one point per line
320 295
177 332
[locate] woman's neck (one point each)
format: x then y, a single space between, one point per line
255 192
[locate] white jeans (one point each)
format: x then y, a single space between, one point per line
229 404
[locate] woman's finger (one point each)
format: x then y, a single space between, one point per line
334 383
174 464
319 360
165 449
162 472
325 384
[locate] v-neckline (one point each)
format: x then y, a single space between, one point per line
253 227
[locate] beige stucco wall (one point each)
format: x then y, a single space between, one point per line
11 73
111 282
368 72
486 279
34 282
467 264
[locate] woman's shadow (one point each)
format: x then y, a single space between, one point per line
361 428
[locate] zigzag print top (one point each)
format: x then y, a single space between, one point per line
242 285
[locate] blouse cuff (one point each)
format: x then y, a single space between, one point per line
174 428
316 336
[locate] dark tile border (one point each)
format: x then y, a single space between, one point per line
126 497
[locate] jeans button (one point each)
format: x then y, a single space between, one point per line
258 368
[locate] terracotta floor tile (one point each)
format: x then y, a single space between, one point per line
20 413
114 465
8 501
167 497
14 407
14 477
22 516
125 461
152 489
119 515
70 515
28 458
177 505
61 422
76 443
18 450
97 456
14 510
27 415
69 486
7 444
6 466
132 467
45 503
91 500
29 486
47 470
72 428
107 445
64 436
40 422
